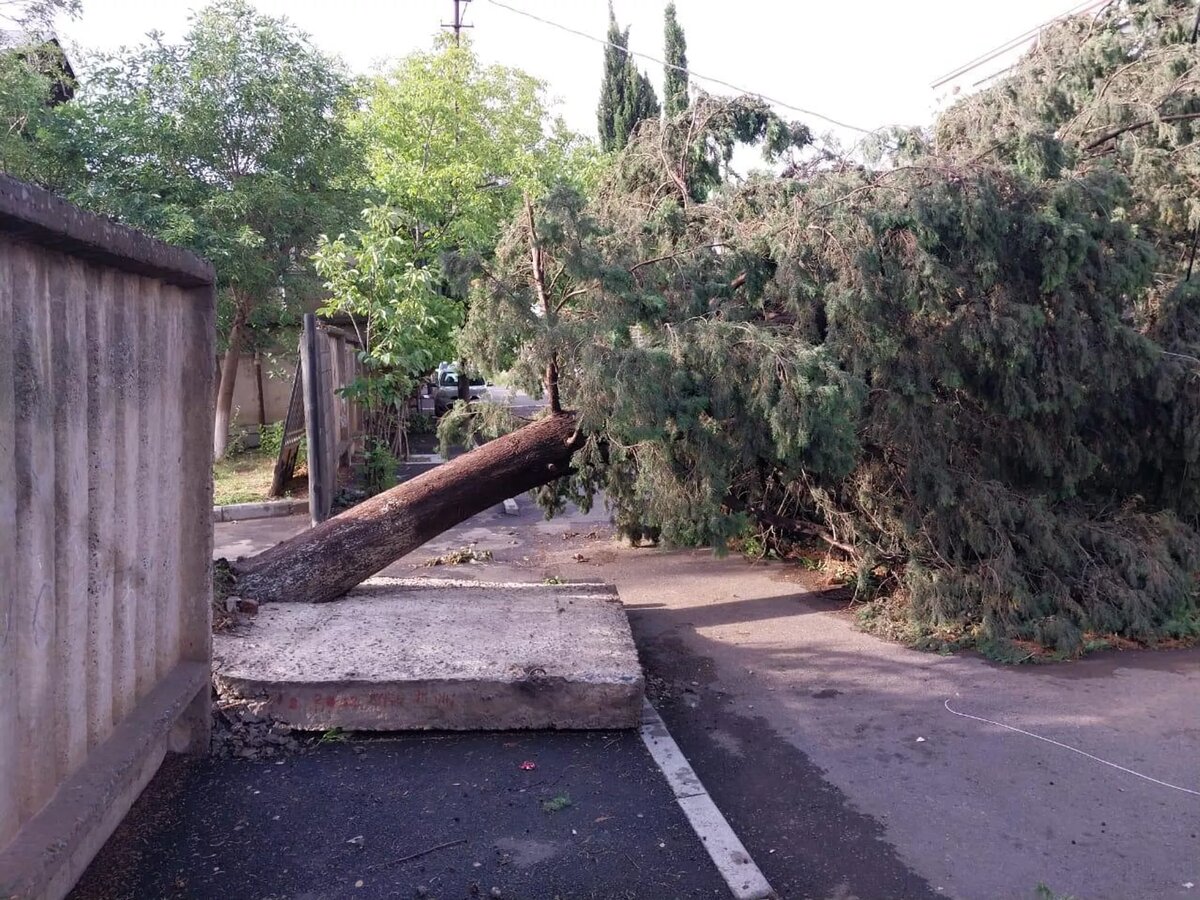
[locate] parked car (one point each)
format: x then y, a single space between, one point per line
446 391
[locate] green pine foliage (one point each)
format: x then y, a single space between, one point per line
975 374
626 95
675 82
1114 90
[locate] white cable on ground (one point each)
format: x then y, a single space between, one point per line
1174 787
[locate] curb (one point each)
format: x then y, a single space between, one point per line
269 509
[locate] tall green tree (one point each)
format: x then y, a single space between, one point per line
452 147
675 76
231 142
626 95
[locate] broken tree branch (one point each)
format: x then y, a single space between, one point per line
1103 139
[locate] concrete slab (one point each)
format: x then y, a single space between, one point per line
399 654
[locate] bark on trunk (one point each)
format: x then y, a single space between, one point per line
262 400
538 277
335 556
229 367
464 383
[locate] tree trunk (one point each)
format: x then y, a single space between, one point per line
229 368
262 400
327 561
464 383
538 277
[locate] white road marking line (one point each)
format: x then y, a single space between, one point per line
746 881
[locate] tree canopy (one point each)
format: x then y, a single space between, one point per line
33 78
231 143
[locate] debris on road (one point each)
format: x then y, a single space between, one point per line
556 804
240 732
461 556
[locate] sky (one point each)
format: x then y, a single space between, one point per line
867 63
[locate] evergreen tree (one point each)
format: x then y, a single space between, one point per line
612 88
642 103
675 82
935 369
626 95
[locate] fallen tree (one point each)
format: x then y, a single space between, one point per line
327 561
973 377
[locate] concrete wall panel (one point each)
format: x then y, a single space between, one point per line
106 342
9 689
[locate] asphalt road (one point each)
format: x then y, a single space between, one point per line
833 755
406 816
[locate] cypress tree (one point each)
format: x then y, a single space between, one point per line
641 102
626 95
675 82
612 88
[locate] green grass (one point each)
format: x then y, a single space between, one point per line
244 478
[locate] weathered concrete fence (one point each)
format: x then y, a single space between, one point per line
106 351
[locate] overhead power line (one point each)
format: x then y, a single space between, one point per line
691 73
1013 43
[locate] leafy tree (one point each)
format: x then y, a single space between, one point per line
452 146
26 97
626 95
231 143
675 76
1111 91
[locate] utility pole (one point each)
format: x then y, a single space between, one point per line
460 7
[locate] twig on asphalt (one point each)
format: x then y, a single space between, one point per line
411 856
